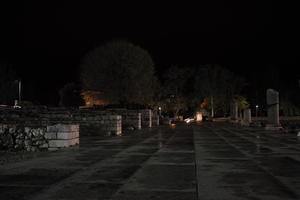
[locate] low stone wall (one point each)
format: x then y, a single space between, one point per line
131 119
92 122
24 138
62 135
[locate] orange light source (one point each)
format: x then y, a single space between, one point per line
199 116
94 98
173 125
204 103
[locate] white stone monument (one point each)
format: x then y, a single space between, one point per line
234 111
246 117
273 110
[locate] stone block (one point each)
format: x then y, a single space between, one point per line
63 128
65 135
59 143
51 135
74 141
44 146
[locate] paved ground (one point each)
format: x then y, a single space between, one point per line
204 161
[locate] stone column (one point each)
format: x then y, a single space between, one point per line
246 117
234 111
146 118
273 110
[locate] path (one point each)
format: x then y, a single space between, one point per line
204 161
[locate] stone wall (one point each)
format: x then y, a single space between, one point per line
92 122
131 119
62 135
24 138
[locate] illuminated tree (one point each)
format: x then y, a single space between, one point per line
218 86
121 70
176 89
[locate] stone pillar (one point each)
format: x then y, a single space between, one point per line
246 117
155 118
234 111
146 118
273 110
62 135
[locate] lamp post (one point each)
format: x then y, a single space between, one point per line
256 110
19 89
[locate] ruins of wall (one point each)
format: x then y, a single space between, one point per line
24 138
131 119
92 122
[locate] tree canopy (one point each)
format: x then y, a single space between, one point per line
70 96
218 85
121 70
176 89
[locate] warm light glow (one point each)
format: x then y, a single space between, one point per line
198 116
204 103
94 98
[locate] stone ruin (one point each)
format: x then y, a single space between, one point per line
42 129
273 110
20 138
62 135
234 111
246 121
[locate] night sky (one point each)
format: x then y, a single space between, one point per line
44 42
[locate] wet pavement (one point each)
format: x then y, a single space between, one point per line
212 160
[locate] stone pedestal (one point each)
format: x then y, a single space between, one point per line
62 135
234 112
246 117
273 110
146 118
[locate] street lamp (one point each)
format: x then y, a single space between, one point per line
256 109
19 89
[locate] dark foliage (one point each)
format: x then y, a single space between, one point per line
70 96
122 71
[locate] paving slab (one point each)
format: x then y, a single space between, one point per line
207 161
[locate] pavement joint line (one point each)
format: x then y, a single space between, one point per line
195 165
276 179
23 185
159 190
145 163
169 164
266 145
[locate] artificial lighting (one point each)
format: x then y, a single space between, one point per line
198 116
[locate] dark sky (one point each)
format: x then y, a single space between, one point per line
45 41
